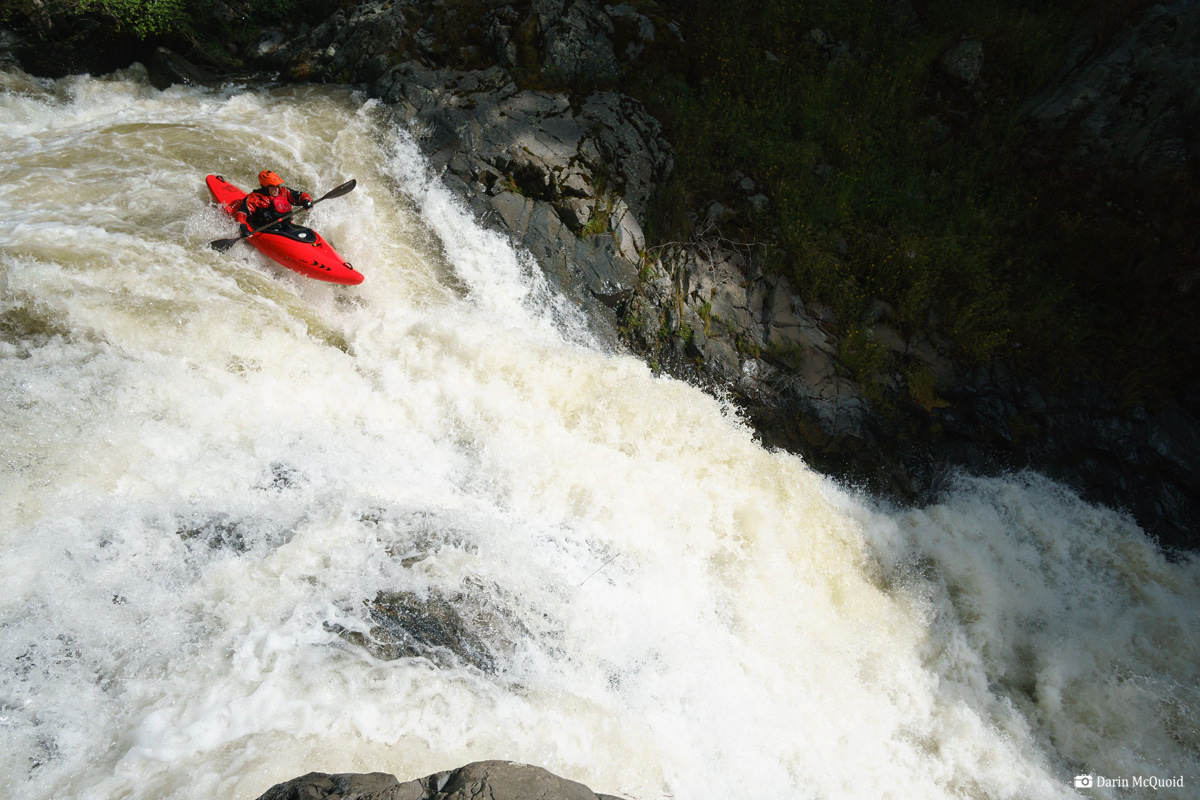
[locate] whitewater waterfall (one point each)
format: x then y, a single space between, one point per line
253 526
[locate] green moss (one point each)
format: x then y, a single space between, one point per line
599 221
706 315
787 354
921 384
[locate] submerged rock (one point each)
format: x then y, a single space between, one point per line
464 627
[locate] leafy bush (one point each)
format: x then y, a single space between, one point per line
142 18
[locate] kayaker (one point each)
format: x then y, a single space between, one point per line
269 202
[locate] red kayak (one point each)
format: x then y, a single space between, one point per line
299 249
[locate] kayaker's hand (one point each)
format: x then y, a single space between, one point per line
306 203
244 229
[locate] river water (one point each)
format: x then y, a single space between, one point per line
217 478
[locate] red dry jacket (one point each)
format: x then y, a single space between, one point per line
258 208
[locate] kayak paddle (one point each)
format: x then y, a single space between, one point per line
221 245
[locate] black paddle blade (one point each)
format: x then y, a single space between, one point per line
338 191
221 245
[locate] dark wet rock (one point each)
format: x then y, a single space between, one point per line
167 67
550 145
964 61
566 178
468 627
495 780
346 786
1127 108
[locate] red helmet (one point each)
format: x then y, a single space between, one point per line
268 178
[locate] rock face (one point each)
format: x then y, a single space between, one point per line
964 61
566 178
496 780
561 41
1128 108
1121 123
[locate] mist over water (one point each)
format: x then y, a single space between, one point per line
215 474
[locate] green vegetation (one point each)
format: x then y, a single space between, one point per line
921 384
142 17
599 221
890 179
145 19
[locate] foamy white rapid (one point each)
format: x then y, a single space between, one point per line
212 469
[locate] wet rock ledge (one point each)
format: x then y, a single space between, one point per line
496 780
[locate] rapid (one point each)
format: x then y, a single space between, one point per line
216 478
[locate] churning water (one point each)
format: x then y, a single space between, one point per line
253 525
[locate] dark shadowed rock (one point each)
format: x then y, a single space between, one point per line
564 179
1127 108
503 780
494 780
964 61
578 40
168 67
349 786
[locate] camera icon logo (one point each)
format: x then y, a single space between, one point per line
1084 781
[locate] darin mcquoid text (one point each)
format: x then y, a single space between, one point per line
1136 782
